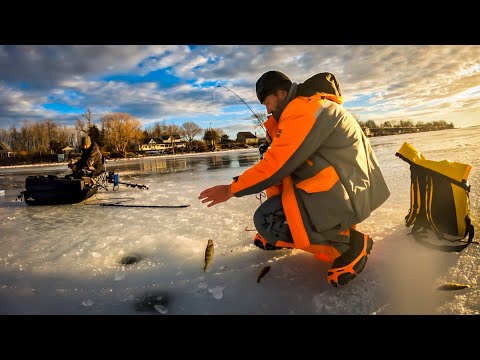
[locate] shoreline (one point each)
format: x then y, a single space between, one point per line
136 158
253 149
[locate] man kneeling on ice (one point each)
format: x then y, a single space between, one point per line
320 175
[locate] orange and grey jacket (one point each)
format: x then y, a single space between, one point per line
323 166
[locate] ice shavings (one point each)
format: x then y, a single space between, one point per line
217 292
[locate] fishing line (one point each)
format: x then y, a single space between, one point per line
258 196
261 195
260 123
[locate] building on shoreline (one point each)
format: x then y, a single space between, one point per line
5 150
162 144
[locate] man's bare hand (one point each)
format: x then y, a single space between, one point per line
216 195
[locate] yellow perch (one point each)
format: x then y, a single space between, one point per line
208 254
262 273
453 286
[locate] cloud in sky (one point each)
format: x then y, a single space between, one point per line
175 83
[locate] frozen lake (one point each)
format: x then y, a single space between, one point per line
65 259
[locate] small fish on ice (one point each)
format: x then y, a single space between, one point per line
262 273
209 251
453 286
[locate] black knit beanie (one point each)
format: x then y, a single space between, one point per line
270 82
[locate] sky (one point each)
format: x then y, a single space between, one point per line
66 259
178 83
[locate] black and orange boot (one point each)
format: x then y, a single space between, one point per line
351 263
259 241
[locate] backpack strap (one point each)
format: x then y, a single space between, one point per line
418 232
415 200
424 220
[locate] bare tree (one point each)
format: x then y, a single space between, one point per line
41 137
155 131
106 133
14 137
66 135
158 130
4 136
190 130
80 124
172 131
51 131
122 129
88 116
406 123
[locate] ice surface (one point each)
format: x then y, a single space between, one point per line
66 259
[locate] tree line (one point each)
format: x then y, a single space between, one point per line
121 132
117 133
442 124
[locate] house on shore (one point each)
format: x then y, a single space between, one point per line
247 137
6 150
162 144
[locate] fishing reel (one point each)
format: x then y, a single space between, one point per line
263 148
113 177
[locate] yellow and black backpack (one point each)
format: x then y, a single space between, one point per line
438 200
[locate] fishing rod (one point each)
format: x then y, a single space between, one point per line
263 147
259 121
146 206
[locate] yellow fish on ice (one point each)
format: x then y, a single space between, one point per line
262 273
453 286
208 254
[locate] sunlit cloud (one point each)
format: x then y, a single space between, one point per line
176 83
